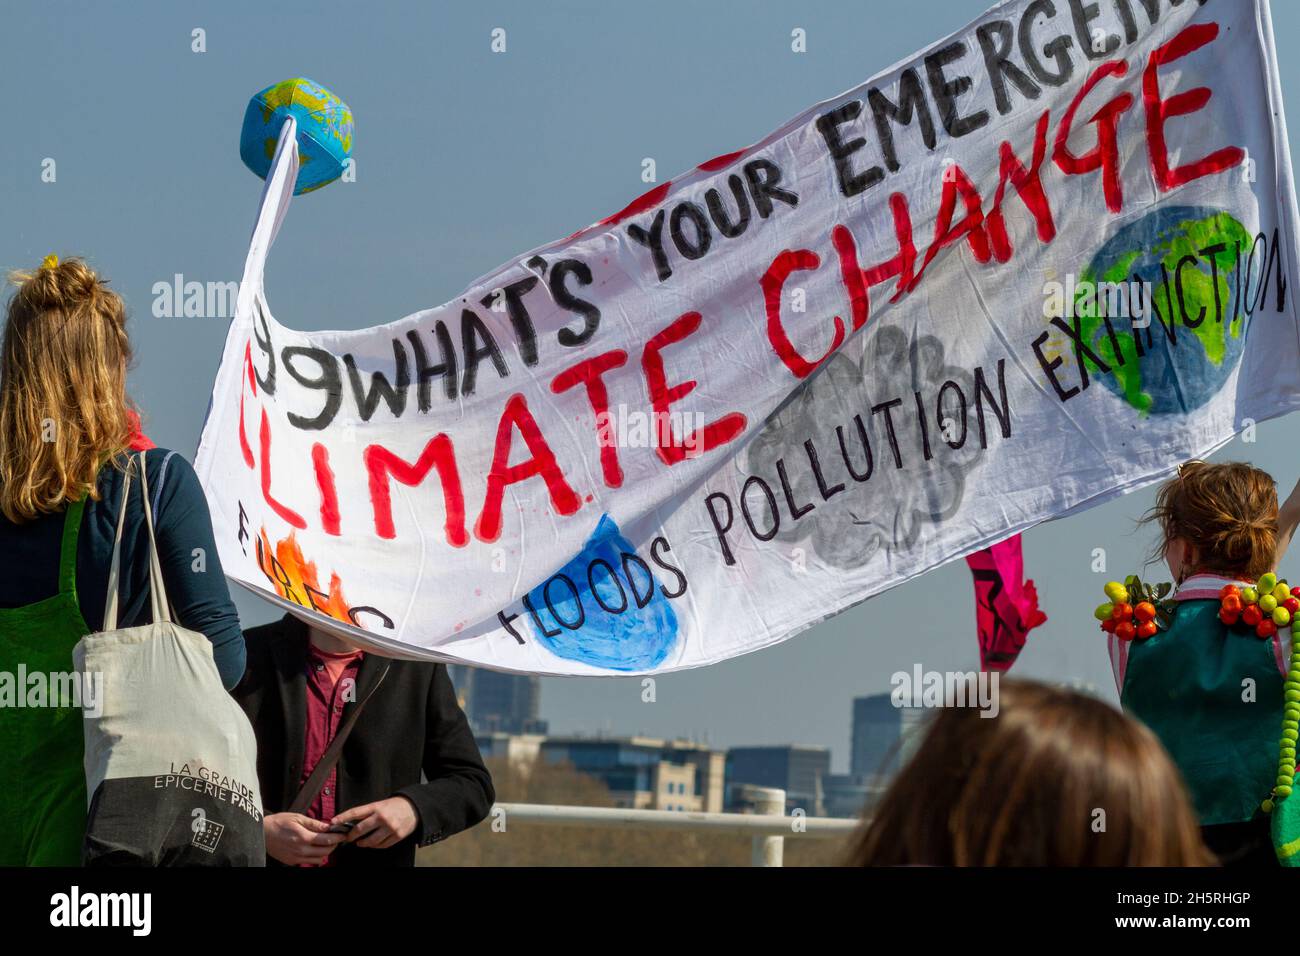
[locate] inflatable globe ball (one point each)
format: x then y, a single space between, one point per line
324 131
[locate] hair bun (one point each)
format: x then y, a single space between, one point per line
63 286
1227 511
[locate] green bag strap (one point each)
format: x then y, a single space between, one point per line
68 549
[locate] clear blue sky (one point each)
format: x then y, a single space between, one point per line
465 159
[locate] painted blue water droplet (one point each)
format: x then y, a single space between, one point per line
627 623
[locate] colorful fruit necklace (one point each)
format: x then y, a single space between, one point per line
1136 610
1286 745
1265 606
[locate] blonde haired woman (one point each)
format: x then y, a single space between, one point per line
65 427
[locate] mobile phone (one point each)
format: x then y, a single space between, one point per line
341 828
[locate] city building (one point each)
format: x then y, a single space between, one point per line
884 736
848 795
496 702
519 749
795 768
646 772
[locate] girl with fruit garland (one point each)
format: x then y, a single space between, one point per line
1202 662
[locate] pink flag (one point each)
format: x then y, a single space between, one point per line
1006 605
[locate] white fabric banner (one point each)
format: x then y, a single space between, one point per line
1030 268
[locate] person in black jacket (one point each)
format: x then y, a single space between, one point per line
299 689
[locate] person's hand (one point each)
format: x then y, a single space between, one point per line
297 840
381 824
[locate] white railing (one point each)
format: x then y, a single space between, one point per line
767 826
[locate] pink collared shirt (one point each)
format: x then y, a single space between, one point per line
331 682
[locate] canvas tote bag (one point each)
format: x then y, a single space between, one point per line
171 760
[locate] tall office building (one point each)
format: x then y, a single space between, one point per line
497 702
797 769
884 736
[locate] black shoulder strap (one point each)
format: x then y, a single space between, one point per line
332 753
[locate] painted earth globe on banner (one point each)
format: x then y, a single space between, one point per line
1170 377
324 131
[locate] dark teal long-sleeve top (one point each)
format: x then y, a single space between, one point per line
196 586
1213 695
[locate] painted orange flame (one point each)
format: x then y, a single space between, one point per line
294 578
